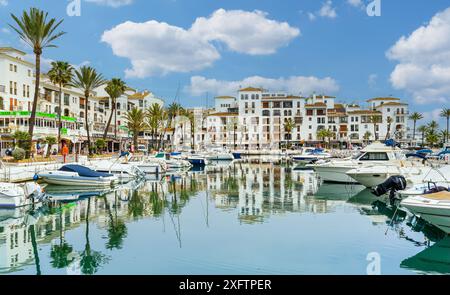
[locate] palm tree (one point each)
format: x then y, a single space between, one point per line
115 88
289 125
367 136
444 136
38 32
433 126
155 120
445 113
375 119
60 74
87 79
191 118
389 121
136 123
432 137
324 134
60 253
423 129
415 117
50 141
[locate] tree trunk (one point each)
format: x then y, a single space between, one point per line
448 118
135 140
414 131
109 122
35 100
115 119
87 123
59 118
35 249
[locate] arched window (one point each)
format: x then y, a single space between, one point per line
118 105
82 115
66 112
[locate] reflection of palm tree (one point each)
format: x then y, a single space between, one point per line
90 260
136 205
117 230
60 253
35 250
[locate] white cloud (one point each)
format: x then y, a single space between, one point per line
5 30
3 2
155 48
372 80
355 3
160 48
244 31
111 3
431 115
295 85
328 10
311 16
423 58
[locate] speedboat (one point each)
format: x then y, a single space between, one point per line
20 195
310 156
124 171
433 208
77 175
173 162
374 154
148 165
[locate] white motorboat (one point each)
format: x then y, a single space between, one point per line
148 165
433 208
124 171
371 176
311 155
173 162
20 195
77 175
374 154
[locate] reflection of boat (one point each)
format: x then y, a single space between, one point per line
18 195
432 260
433 208
77 175
72 193
334 191
364 197
197 160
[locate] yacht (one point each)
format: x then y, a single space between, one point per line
433 208
173 162
376 153
148 165
77 175
20 195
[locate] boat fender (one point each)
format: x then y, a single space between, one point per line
36 177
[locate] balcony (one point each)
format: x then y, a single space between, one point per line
2 89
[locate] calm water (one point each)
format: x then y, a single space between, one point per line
246 219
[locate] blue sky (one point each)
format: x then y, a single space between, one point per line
309 45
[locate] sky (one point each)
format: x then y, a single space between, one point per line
191 51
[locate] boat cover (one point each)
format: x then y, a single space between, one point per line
83 171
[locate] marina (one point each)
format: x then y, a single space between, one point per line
225 218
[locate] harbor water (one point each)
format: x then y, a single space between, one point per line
246 218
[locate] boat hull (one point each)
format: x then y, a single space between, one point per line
77 181
334 174
369 179
434 212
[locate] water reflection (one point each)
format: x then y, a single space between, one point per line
37 238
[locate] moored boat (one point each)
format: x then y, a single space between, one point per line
19 195
77 175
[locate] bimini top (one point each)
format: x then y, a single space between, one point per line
83 171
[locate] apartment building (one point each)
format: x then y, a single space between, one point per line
17 86
256 119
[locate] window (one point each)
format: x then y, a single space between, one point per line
11 88
66 99
28 91
15 88
29 73
11 68
15 68
24 90
287 104
374 157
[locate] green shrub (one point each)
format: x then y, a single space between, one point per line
22 140
18 154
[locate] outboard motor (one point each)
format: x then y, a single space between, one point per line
392 185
